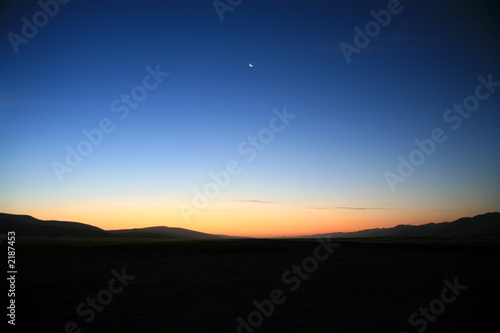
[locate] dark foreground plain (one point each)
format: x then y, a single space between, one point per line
365 285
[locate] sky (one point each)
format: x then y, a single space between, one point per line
250 118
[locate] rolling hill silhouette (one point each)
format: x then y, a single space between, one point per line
26 225
484 224
164 232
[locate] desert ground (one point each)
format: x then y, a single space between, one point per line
205 286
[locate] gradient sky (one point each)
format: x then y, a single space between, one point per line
323 172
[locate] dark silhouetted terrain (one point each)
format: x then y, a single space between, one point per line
179 233
25 225
484 224
370 284
204 286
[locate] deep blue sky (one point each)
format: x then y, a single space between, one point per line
353 120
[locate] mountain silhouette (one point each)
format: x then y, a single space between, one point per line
26 225
484 224
164 232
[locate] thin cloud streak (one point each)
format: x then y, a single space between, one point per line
370 208
259 201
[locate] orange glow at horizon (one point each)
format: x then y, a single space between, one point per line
235 218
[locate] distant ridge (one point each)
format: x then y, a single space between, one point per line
485 224
25 225
165 232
